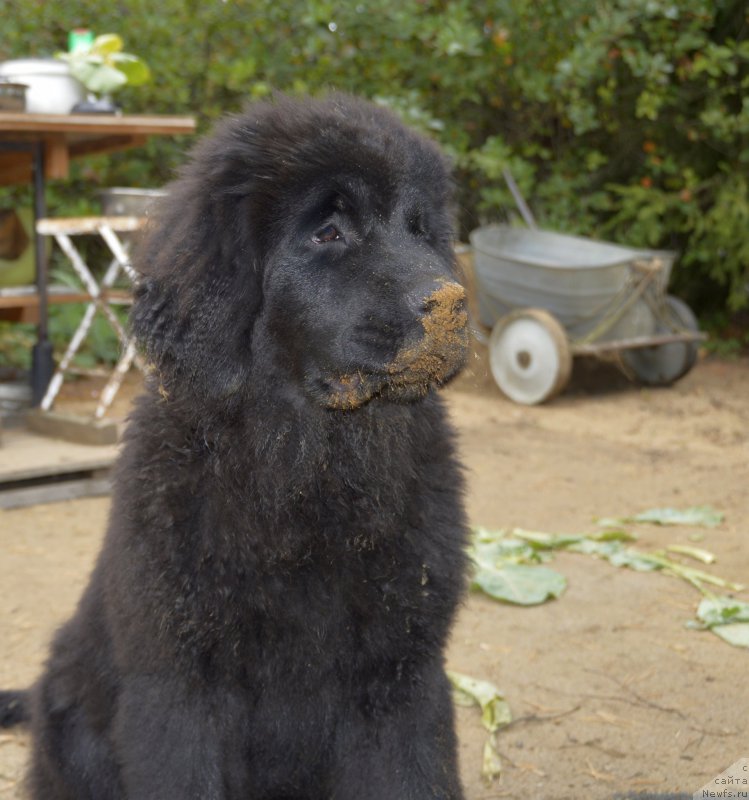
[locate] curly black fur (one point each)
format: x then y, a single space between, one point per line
286 546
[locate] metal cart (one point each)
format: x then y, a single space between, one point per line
549 297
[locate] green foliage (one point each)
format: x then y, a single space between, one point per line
661 87
622 119
101 345
16 341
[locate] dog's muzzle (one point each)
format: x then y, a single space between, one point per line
434 356
441 349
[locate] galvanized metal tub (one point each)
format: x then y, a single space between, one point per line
577 280
128 201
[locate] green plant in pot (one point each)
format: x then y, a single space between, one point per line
103 68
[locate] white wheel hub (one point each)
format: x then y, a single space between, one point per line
529 356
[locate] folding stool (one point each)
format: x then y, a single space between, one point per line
62 229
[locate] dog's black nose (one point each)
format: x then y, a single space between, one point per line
439 348
441 296
450 297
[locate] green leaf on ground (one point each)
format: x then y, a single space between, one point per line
702 516
552 541
490 553
495 714
520 584
726 617
634 559
507 567
491 764
544 541
721 610
697 553
468 691
736 634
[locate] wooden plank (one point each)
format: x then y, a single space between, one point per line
24 496
29 314
25 455
15 168
56 156
138 124
32 300
9 298
72 428
75 226
25 307
105 144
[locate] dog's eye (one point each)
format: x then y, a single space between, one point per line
327 234
416 224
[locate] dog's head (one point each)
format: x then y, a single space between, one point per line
308 243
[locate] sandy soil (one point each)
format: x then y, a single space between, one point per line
610 691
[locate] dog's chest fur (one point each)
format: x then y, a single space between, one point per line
350 553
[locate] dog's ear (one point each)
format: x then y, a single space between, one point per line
198 254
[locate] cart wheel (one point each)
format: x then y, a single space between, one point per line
529 356
665 363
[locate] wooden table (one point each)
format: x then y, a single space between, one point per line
37 147
66 136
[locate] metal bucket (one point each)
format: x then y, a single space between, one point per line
573 278
122 201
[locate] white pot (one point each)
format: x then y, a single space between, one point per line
51 87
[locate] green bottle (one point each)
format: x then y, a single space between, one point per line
80 39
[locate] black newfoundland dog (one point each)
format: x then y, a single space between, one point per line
285 555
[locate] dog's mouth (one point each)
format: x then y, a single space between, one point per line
436 357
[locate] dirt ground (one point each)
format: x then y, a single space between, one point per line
609 690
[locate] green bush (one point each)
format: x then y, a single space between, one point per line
621 119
